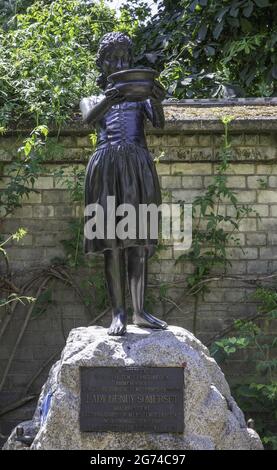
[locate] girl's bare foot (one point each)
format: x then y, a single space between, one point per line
147 320
119 324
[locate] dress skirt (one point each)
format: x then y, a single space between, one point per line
128 174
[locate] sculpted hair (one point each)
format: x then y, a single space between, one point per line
108 42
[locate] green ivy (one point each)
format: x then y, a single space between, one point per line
213 232
260 397
23 171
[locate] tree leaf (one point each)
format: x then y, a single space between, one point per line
221 13
234 12
248 10
151 57
218 30
233 21
209 50
27 148
262 3
186 81
202 32
274 72
246 26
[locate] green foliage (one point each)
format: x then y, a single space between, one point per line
268 300
212 231
48 51
42 302
258 396
13 296
229 345
270 441
217 48
263 183
23 299
9 9
73 246
94 286
23 171
48 60
74 182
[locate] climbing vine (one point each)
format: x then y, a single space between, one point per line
258 398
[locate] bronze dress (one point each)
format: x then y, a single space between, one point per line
121 166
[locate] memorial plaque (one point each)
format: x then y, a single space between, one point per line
132 399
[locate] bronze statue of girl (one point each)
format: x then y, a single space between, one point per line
121 166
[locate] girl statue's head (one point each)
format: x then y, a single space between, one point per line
114 54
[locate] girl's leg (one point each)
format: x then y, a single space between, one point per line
115 276
137 277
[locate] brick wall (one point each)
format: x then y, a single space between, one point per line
190 144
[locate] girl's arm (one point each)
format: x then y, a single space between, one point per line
158 113
93 110
154 108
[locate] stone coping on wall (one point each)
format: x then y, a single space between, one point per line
249 115
201 115
193 132
210 102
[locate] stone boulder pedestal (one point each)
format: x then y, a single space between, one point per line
212 419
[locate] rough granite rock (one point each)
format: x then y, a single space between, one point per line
211 416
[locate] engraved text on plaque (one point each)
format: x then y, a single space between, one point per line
132 399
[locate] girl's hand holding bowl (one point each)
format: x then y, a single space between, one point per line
113 95
134 84
158 91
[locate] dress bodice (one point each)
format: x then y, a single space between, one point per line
124 122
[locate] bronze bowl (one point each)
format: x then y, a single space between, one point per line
134 84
